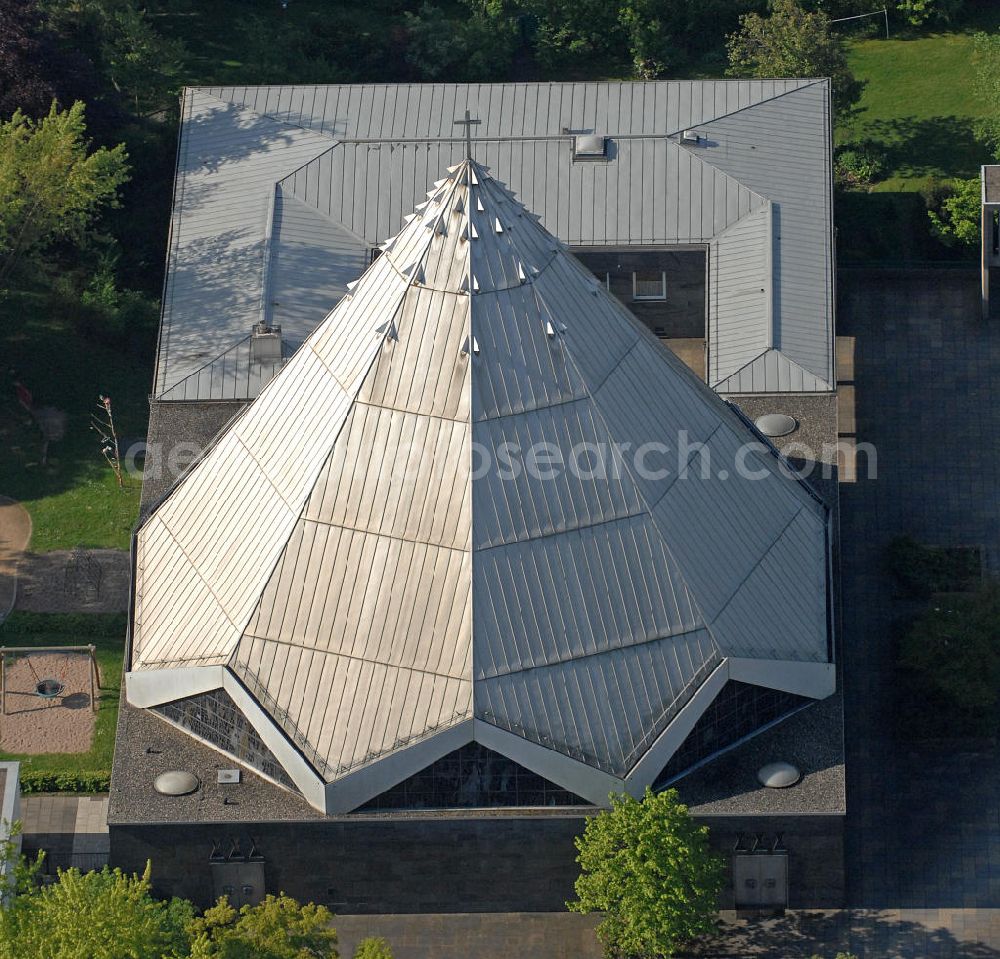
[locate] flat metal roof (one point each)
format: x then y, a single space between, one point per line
282 191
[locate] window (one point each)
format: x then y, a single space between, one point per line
604 278
649 285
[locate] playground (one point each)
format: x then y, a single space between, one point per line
48 699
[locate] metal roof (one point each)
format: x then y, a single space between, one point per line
344 554
282 190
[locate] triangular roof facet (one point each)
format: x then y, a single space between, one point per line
376 552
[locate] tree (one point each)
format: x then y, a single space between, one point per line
957 221
51 184
94 915
140 64
986 60
649 38
919 12
792 42
477 46
374 947
955 649
575 30
278 928
649 868
34 68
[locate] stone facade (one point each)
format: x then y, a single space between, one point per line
503 862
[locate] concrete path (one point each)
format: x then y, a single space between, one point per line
15 533
538 935
923 828
73 830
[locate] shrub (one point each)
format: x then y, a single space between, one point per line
98 781
374 947
922 570
858 164
953 650
649 868
957 222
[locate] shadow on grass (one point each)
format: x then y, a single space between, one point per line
889 229
928 147
68 488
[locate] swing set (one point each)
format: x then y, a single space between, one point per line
48 688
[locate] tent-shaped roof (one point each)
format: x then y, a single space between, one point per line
272 181
480 503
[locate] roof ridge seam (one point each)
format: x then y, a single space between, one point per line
576 657
359 659
599 415
761 558
811 82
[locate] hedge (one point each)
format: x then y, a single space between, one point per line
98 781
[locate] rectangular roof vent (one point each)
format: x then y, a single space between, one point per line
590 146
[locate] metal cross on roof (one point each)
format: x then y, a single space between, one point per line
468 123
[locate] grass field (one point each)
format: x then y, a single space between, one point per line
73 498
107 633
920 104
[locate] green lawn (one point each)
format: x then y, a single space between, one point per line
920 106
50 771
73 498
919 103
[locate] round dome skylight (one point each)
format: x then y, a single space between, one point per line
776 424
779 775
177 782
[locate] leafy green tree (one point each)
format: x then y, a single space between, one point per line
986 61
792 42
477 46
278 928
919 12
138 62
374 947
576 31
957 222
649 38
649 868
51 184
94 915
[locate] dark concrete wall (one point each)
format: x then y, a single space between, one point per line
815 847
449 864
372 866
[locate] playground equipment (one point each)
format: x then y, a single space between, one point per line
48 688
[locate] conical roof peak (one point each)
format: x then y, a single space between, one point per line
369 550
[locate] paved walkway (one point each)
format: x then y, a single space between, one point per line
540 935
15 533
73 830
923 831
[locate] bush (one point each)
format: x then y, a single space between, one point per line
957 220
374 947
922 570
859 164
474 47
69 782
648 867
953 652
